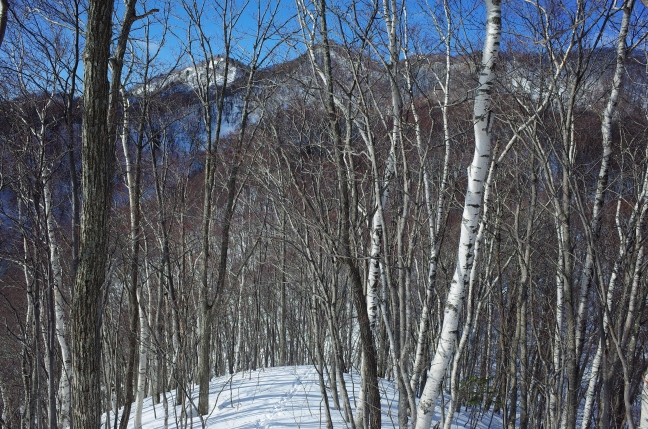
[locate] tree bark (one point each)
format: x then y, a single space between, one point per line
97 156
59 312
472 206
4 11
643 420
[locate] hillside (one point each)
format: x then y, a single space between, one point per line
360 186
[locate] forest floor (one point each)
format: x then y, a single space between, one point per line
283 397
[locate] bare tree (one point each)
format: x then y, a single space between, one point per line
326 191
97 157
101 101
470 218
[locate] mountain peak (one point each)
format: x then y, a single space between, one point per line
209 73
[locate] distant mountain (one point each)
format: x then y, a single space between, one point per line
210 73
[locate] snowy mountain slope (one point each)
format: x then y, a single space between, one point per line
210 73
284 397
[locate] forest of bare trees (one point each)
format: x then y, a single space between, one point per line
450 194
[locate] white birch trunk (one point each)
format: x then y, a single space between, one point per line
596 363
59 314
591 387
143 358
606 129
470 219
643 420
155 304
141 374
239 328
639 264
557 349
435 217
374 269
472 279
375 272
359 420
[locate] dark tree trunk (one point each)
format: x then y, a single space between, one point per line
97 157
4 9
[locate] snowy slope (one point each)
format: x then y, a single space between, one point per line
285 397
210 73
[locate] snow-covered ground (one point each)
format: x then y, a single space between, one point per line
284 397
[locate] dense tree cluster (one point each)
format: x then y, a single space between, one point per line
367 186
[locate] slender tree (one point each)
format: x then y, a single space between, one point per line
602 181
470 218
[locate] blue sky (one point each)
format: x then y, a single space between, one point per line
177 40
520 22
